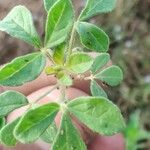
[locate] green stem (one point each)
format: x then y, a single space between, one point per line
45 94
50 57
62 93
46 52
71 41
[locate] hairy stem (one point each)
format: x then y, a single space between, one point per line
71 41
62 93
46 52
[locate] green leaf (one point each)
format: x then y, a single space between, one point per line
68 137
59 21
49 135
18 23
95 7
2 122
112 75
92 37
98 113
79 62
64 79
35 122
22 69
58 55
52 70
6 134
10 101
49 3
99 62
96 90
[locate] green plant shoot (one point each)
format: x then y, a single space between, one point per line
62 28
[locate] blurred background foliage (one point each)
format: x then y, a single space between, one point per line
129 29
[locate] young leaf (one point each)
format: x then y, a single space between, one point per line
58 55
99 62
95 7
52 69
10 101
79 62
68 137
96 90
49 135
64 79
6 134
48 4
35 122
98 113
112 75
2 122
22 69
59 22
92 37
18 23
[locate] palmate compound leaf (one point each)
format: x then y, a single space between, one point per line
59 22
48 4
97 113
6 133
112 75
95 7
97 90
68 137
22 69
18 23
92 37
100 62
32 125
11 100
79 62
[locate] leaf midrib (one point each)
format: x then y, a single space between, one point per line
102 46
40 121
20 68
88 12
30 35
57 22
